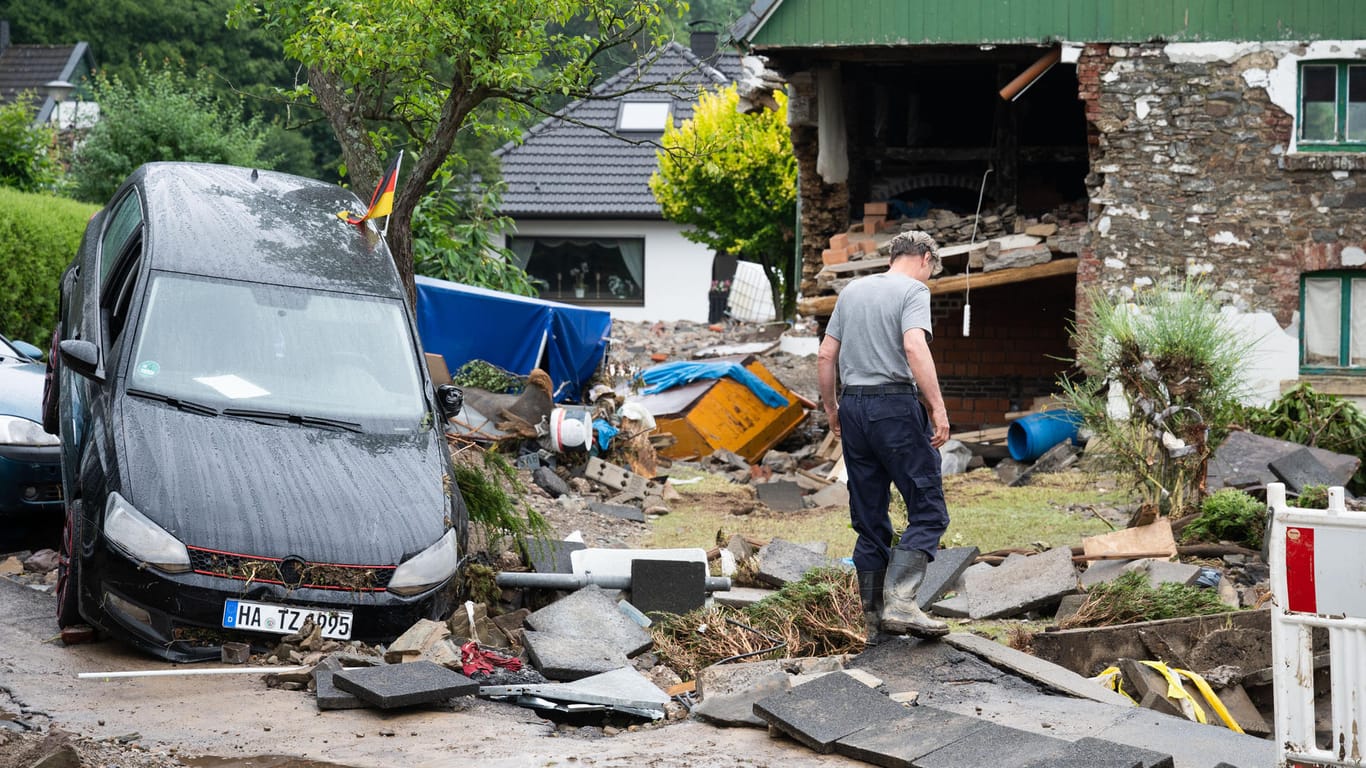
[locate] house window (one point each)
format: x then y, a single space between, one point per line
643 116
596 270
1333 329
1332 111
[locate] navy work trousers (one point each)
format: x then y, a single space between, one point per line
886 440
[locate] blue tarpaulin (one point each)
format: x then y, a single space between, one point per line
668 375
463 323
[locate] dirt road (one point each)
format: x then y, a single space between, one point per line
238 716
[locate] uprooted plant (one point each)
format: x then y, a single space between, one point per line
1176 361
1130 598
1228 515
817 616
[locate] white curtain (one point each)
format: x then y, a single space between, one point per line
832 152
521 250
633 256
1357 331
1322 321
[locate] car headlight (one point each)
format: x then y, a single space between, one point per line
17 431
428 568
141 539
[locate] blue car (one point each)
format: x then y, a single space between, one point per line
30 459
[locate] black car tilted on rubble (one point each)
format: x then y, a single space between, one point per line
249 433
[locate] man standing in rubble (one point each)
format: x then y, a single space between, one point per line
878 341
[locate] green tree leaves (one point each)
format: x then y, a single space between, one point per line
28 153
165 115
732 178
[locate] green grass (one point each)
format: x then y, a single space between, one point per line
1053 511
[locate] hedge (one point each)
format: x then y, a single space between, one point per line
39 235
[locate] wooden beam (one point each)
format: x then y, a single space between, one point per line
822 306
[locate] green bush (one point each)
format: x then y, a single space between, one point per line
39 235
1228 515
1304 416
1130 598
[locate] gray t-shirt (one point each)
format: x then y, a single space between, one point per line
870 318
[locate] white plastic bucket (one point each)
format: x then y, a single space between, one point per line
571 426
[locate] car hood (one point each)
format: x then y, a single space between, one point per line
267 490
21 390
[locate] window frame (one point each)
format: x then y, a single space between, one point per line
591 297
1344 368
1341 108
667 120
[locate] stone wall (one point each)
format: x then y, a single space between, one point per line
1191 177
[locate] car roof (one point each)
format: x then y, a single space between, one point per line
262 226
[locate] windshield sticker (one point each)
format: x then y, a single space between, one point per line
148 368
232 386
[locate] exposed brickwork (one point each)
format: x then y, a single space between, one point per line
1189 179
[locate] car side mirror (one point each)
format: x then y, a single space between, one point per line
451 399
81 356
27 350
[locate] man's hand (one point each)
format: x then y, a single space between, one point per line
940 419
832 413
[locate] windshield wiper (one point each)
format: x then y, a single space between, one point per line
176 402
293 418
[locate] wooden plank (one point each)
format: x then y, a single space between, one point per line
982 435
1152 540
822 306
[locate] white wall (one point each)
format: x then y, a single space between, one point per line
677 271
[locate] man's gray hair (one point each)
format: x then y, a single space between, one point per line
916 243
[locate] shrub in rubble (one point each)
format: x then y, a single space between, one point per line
1174 361
1130 598
1316 419
1228 515
488 483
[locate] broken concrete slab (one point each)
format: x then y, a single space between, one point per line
1299 469
739 597
737 708
329 696
1165 572
623 687
955 607
403 685
591 612
1099 753
999 746
619 511
1190 743
899 742
943 573
617 562
780 495
668 586
1039 670
833 495
550 482
782 562
1244 456
561 657
730 679
1152 540
1087 651
1243 711
1013 588
1148 687
551 555
1102 571
1068 606
826 709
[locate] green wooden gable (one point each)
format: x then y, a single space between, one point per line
815 23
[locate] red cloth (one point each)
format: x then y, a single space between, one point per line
475 659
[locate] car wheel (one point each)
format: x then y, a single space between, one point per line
68 587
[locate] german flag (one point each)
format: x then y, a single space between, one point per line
382 201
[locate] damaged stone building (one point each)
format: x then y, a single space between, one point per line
1198 139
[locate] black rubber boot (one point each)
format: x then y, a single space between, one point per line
870 593
900 613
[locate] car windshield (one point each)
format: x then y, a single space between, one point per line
265 348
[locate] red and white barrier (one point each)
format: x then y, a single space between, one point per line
1318 579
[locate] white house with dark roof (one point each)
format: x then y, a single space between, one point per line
51 73
578 192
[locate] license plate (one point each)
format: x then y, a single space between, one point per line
284 619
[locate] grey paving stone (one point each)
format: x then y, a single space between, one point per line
1190 743
550 482
780 495
1099 753
668 586
737 708
820 712
1102 571
833 495
782 562
955 607
561 657
1069 605
621 511
403 685
1300 468
590 612
1012 588
995 745
623 687
551 555
898 743
728 679
739 597
943 572
1166 572
1039 670
329 696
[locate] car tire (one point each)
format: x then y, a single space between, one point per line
68 588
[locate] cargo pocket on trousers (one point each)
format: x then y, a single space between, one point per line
930 492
